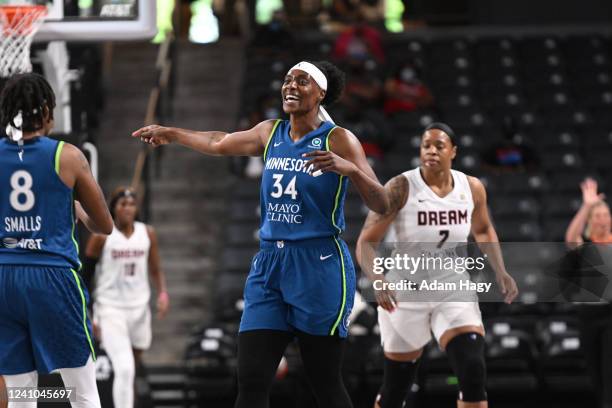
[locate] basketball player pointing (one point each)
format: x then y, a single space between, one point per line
405 327
302 281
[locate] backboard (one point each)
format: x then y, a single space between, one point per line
95 20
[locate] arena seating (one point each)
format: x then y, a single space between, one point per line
550 94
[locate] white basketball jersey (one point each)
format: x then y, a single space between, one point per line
427 217
122 273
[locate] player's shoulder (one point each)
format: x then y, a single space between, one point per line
475 182
71 154
477 187
266 126
70 149
341 140
340 133
149 229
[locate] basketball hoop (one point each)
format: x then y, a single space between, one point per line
18 24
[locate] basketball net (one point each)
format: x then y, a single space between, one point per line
18 24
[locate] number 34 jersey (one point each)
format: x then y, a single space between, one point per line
36 207
295 204
122 278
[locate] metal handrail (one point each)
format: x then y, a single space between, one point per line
140 178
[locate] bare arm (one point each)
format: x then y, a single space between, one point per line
93 251
346 157
376 225
157 275
374 230
486 237
75 173
250 142
590 197
94 246
573 234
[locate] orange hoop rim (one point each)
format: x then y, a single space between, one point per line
11 10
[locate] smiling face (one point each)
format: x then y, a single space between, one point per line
300 93
437 150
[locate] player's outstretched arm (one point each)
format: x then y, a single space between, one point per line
373 232
486 237
250 142
157 274
345 156
75 173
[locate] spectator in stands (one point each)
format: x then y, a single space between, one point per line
371 126
352 11
511 153
363 88
275 35
404 90
507 155
592 224
357 44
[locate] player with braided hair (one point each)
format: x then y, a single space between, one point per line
43 322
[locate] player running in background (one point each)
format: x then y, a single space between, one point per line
302 282
434 204
43 321
121 291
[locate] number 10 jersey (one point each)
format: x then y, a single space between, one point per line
296 204
122 277
36 207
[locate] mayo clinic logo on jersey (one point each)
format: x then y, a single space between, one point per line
315 143
287 213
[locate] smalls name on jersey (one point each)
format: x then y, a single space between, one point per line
22 224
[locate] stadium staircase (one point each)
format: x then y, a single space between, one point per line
188 191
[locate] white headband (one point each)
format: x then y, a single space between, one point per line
314 72
319 77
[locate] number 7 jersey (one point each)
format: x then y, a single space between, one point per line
296 205
36 207
426 217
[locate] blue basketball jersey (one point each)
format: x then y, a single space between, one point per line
36 207
294 204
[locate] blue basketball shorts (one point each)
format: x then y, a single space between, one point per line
43 319
308 285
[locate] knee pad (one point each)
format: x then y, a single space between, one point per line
397 381
466 355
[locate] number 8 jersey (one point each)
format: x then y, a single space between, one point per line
36 207
296 205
